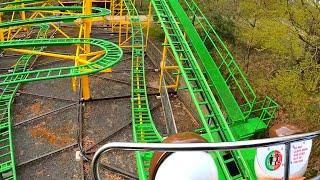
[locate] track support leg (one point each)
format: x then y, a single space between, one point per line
165 68
87 9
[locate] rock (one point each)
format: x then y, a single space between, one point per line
279 130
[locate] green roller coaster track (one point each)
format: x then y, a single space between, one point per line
6 100
226 114
223 74
144 130
205 80
14 3
97 12
200 92
12 81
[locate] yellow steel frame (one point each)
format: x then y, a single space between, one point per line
148 24
86 29
1 29
22 16
83 54
9 31
101 19
124 26
120 22
81 58
164 68
116 8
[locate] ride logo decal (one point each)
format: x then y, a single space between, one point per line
273 160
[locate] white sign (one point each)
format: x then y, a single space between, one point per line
269 161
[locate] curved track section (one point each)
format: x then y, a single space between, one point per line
110 58
7 162
14 3
96 12
144 130
11 82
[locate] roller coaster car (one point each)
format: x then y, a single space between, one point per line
200 165
183 165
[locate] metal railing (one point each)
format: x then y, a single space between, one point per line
221 146
167 109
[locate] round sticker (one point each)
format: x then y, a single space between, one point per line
273 160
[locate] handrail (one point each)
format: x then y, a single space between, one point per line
221 146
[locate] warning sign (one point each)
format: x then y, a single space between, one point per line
298 154
269 161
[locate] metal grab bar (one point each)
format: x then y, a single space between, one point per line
220 146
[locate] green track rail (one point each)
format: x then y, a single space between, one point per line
96 12
7 162
12 81
205 76
210 67
110 58
202 96
229 83
144 130
14 3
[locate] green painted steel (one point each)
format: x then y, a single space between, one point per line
14 3
202 96
212 70
144 130
7 161
110 58
11 82
200 70
222 71
222 57
96 12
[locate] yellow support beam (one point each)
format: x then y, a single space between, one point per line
163 61
148 24
94 53
56 27
164 68
19 28
94 58
116 9
23 16
76 62
1 34
171 67
120 25
9 30
28 51
1 29
81 60
87 9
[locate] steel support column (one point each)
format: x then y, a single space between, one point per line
87 9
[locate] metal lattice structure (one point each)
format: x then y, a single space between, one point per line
224 101
110 55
